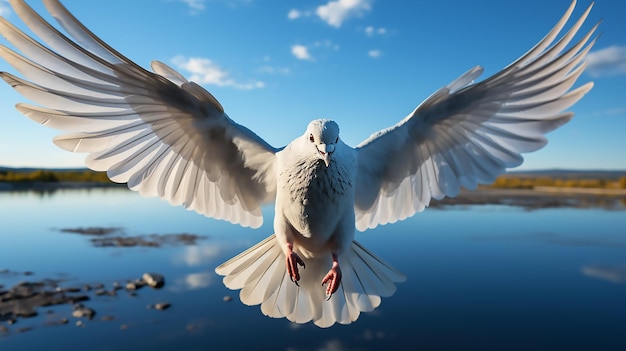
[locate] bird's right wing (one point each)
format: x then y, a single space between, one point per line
161 134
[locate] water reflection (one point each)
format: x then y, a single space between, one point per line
587 240
478 276
614 274
198 255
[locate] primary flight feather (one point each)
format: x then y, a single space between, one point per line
168 137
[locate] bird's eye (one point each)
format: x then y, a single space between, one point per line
311 138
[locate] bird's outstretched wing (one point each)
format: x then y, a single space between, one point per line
161 134
466 134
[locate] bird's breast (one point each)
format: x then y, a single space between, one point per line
317 195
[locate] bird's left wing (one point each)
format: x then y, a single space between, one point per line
466 134
158 132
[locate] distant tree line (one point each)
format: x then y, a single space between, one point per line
54 176
505 181
514 182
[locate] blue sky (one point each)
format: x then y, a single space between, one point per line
277 64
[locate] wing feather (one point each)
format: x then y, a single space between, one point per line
159 133
467 133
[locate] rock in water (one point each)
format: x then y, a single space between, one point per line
154 280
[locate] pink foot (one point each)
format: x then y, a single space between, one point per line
293 260
333 278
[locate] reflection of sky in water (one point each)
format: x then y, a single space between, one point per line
486 277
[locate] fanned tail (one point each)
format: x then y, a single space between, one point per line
261 274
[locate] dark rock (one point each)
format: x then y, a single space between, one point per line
23 329
107 318
70 290
152 240
91 230
23 299
3 329
74 299
24 311
228 298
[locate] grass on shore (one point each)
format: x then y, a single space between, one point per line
506 181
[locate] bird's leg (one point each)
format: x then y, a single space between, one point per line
333 278
293 260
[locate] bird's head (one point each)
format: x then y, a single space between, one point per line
323 136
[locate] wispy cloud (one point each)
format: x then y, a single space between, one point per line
337 11
607 62
205 71
371 31
374 53
5 8
195 6
301 52
611 111
295 14
274 70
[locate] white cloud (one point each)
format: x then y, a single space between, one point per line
607 62
320 48
293 14
194 5
301 52
337 11
5 8
374 53
205 71
371 31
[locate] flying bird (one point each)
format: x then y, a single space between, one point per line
168 137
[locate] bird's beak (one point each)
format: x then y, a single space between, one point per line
326 150
327 160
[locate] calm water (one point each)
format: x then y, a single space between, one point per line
479 277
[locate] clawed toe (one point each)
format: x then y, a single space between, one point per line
293 260
333 278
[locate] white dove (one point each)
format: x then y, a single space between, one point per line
170 138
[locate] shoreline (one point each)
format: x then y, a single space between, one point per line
51 186
464 193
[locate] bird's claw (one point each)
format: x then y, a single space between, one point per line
293 260
333 278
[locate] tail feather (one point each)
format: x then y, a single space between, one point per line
260 272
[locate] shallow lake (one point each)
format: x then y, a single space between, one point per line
479 277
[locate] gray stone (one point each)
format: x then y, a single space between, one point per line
84 312
155 280
162 306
